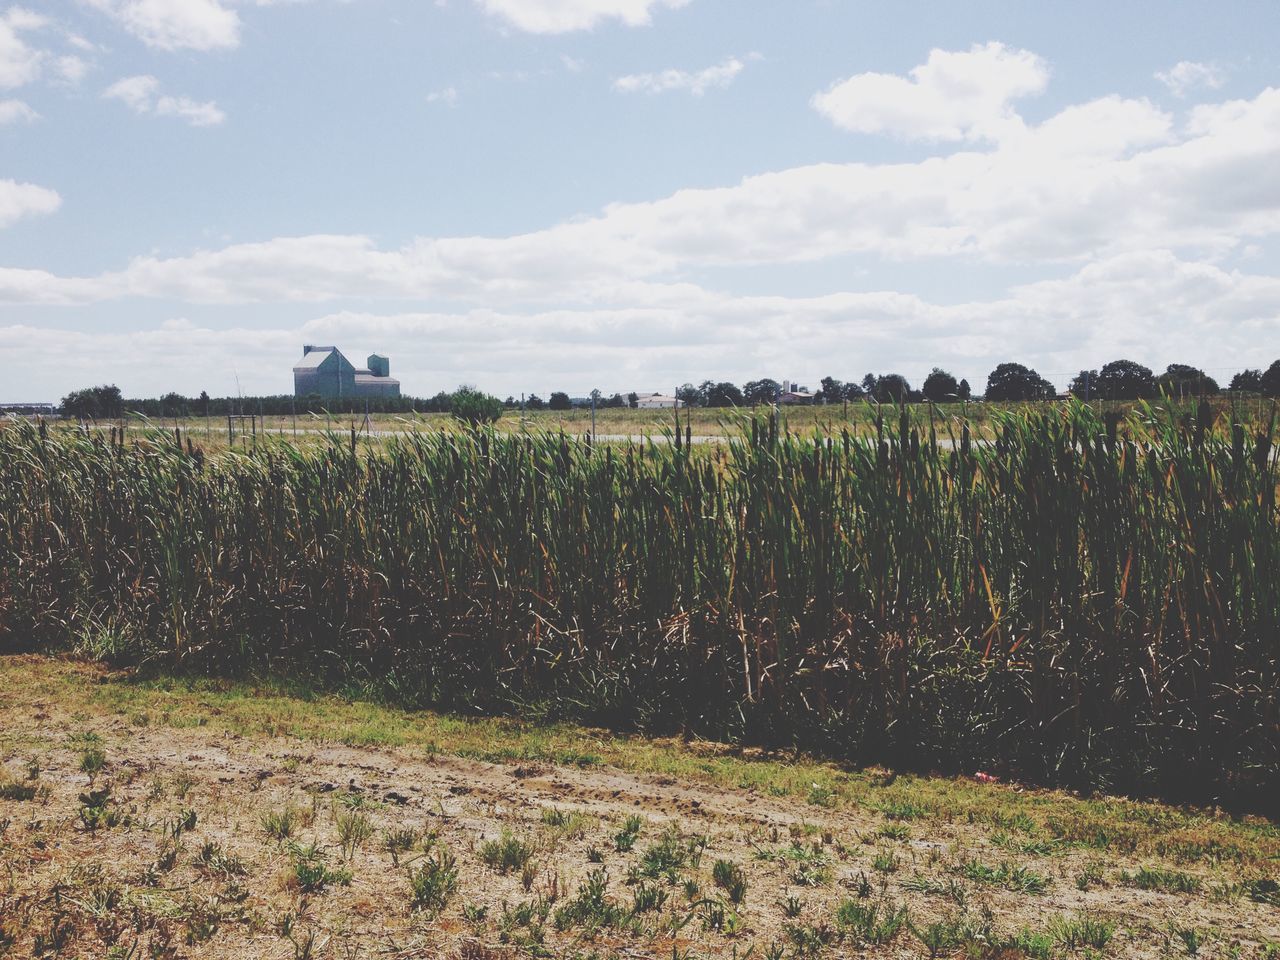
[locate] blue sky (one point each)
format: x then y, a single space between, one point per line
532 195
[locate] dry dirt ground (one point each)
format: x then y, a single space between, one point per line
159 820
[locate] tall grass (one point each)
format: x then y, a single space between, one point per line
1085 600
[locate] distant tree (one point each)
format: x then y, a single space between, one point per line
940 386
689 395
633 400
756 392
1124 380
722 394
853 391
559 401
174 405
1082 384
889 388
832 390
93 403
616 401
1246 381
474 407
1180 380
964 391
1270 381
1013 381
511 402
204 402
534 402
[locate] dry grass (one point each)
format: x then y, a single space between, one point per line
226 820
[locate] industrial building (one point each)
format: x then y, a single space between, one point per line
326 372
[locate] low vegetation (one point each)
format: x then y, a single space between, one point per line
227 820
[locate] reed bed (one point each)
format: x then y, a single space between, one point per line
1088 600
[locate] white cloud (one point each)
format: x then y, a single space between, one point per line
15 111
448 96
562 16
20 63
1188 75
1116 307
18 200
697 83
952 96
1096 180
142 95
176 24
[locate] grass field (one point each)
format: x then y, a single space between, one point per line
160 818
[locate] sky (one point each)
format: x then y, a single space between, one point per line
538 195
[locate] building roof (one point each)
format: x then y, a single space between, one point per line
312 360
364 376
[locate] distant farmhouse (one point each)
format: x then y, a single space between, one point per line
656 401
325 371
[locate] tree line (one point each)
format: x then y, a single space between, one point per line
1118 380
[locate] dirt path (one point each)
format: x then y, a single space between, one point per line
174 857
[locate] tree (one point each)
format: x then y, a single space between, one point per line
559 401
1124 380
760 391
1082 384
1270 382
92 403
1013 381
964 391
832 390
940 386
722 394
534 402
474 407
633 400
174 405
1246 381
689 395
853 391
890 388
1181 381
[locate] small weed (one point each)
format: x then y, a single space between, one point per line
310 872
1162 880
1017 878
1084 931
625 838
647 897
506 853
730 878
279 825
871 923
433 883
792 906
354 829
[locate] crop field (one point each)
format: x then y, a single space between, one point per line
203 819
1087 601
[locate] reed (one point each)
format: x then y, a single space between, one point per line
1086 600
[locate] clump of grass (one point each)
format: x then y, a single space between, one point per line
1076 933
871 922
625 839
592 907
666 857
354 830
400 840
506 853
212 860
279 825
730 878
1013 877
1162 880
433 883
311 874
